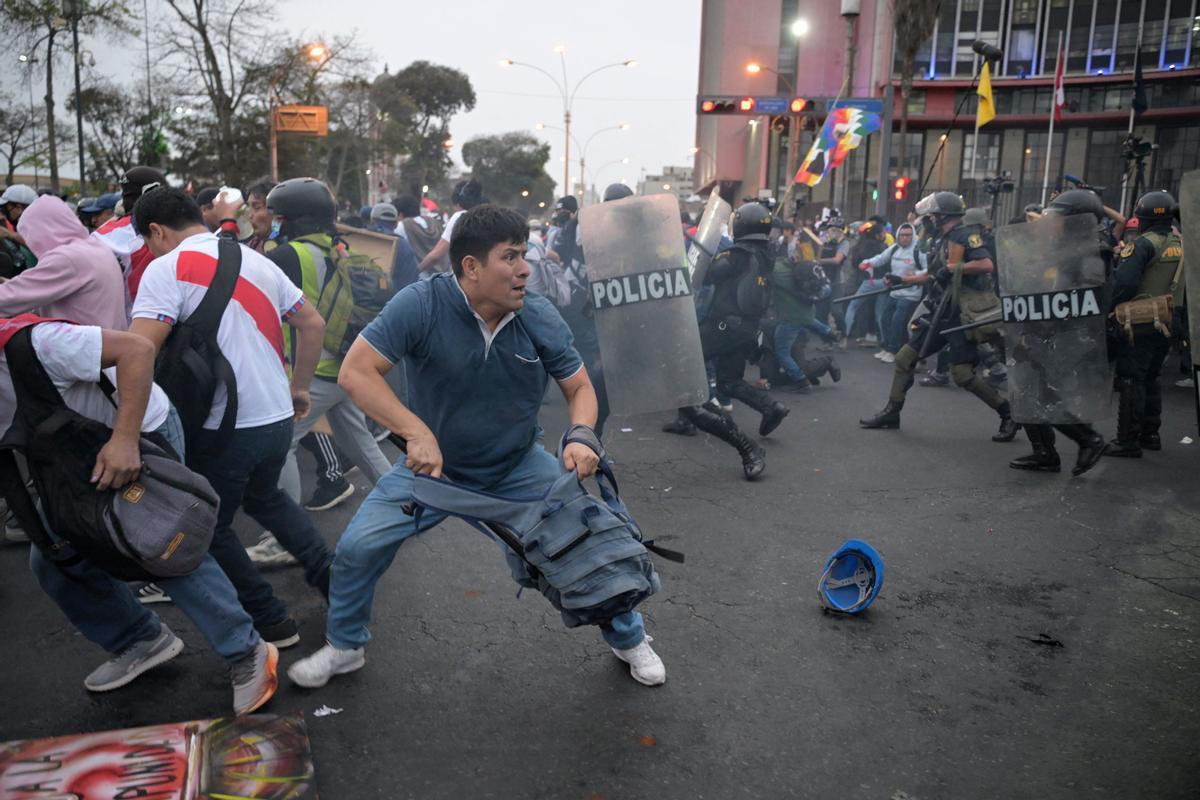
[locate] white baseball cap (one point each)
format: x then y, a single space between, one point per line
18 193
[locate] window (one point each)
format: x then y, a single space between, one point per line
986 157
1059 10
945 38
913 158
1101 51
968 21
916 101
1178 152
1105 164
1081 28
1022 42
1127 31
1179 30
1033 165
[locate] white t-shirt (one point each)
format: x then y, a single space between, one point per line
70 354
402 233
251 331
446 234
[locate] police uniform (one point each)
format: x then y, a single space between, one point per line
963 353
1146 268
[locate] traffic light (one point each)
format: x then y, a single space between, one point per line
746 104
901 186
798 104
718 105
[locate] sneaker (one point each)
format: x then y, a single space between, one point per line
133 661
13 532
835 371
270 553
870 340
888 358
644 664
934 379
282 634
316 670
1186 383
255 678
880 354
328 495
149 593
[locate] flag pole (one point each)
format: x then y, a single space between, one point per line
1053 112
1137 61
787 194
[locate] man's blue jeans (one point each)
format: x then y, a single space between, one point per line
894 314
870 284
106 611
245 474
786 335
377 530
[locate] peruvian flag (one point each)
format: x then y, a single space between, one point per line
1060 95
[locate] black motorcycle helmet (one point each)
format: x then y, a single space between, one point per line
617 191
305 205
136 181
1155 208
1074 202
752 222
941 204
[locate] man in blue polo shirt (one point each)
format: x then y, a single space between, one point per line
479 353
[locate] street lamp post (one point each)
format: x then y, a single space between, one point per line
567 94
755 68
602 167
541 126
316 53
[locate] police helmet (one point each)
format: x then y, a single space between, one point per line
617 191
976 216
941 204
1155 207
752 222
303 200
852 578
1074 202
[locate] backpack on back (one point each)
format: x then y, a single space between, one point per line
423 239
191 367
586 555
159 526
754 289
356 289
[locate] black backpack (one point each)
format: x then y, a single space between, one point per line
191 367
159 526
754 286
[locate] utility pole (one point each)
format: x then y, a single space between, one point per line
76 13
850 12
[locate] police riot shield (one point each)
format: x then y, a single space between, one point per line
1052 298
641 297
703 249
1189 222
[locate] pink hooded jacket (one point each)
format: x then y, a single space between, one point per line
77 277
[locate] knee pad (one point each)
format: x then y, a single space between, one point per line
906 359
962 374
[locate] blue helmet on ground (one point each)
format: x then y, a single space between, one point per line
852 577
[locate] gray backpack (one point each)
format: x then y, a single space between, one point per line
586 555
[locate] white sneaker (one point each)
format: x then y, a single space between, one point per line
1186 383
880 354
888 358
316 670
149 593
269 552
644 664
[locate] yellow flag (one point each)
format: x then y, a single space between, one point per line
987 108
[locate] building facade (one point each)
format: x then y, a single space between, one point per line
676 180
1100 38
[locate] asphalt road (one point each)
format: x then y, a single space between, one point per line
945 688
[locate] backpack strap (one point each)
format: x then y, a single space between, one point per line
21 504
37 397
207 319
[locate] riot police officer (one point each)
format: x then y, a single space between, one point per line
1148 267
1044 457
741 281
954 246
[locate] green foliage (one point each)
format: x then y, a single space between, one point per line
508 164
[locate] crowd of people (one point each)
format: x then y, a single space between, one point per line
449 349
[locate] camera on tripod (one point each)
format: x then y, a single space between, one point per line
1135 147
1001 184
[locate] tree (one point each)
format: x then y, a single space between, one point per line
30 23
419 102
509 164
122 127
913 22
18 140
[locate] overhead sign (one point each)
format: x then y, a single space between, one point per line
774 105
304 120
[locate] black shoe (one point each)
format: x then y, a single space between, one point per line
1040 460
1151 441
817 381
754 459
835 371
1008 429
281 634
888 418
1119 449
803 387
328 495
935 379
1090 452
772 417
680 427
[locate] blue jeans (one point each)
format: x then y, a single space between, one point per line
106 611
894 314
786 335
245 474
377 530
870 284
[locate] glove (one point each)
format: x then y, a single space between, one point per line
891 280
943 276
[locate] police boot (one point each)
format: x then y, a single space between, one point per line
1044 457
1008 428
1150 441
722 426
680 426
1129 420
889 417
1091 446
773 412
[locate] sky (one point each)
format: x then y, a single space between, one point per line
656 97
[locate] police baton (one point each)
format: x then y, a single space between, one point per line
979 323
871 293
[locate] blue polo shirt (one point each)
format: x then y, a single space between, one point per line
479 391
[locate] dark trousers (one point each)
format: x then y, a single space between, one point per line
1139 366
245 474
729 343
